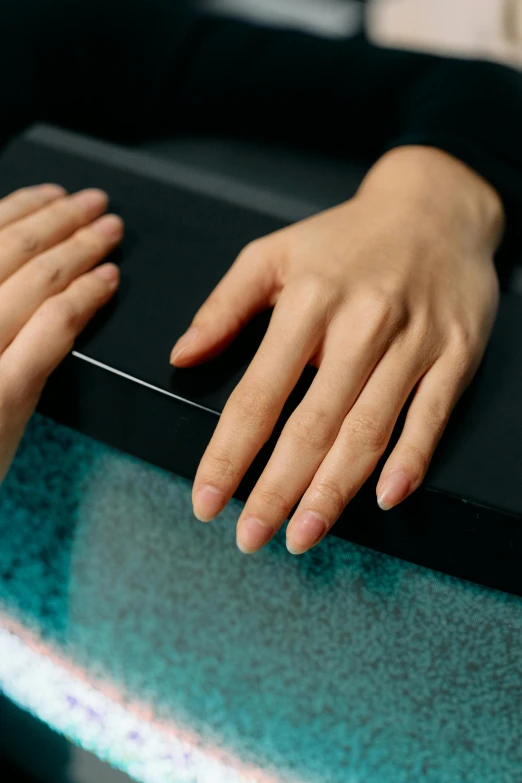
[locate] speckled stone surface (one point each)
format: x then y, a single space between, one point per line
342 665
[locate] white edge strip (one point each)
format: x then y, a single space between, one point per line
150 752
113 370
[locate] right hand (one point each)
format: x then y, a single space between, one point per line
50 243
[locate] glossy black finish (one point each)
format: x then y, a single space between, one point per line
465 520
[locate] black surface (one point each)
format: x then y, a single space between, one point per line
11 774
32 752
465 520
178 246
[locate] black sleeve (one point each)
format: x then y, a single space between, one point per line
127 69
349 97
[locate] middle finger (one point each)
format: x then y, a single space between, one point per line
361 442
354 348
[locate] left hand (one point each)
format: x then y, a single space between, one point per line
51 244
393 290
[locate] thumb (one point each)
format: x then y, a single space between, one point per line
245 290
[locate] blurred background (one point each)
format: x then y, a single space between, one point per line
481 28
489 29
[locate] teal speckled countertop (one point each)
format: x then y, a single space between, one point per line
341 666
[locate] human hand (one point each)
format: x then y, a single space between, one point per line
49 244
392 291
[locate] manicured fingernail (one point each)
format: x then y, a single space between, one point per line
304 532
50 190
109 273
252 534
184 342
394 489
92 199
111 226
208 502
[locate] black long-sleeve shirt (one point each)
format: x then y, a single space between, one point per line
128 69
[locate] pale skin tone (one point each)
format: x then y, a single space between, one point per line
390 292
51 284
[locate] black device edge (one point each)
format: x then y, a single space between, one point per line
430 528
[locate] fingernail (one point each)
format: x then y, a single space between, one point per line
252 534
304 532
184 342
394 489
208 502
109 273
111 226
52 191
92 199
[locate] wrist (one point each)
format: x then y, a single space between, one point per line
446 190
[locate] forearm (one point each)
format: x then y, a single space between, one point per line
438 190
473 111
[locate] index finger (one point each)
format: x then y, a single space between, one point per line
254 406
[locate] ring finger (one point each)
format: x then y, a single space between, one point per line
353 349
361 442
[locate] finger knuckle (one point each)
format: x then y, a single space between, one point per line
330 494
253 405
219 467
50 273
312 428
275 500
384 310
366 429
436 415
312 291
62 312
24 241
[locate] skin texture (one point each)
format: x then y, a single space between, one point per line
50 287
392 291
